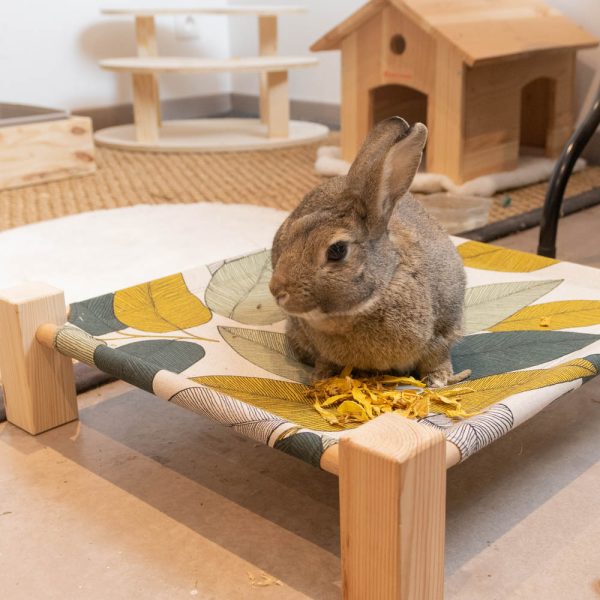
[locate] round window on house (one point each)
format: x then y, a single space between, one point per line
398 44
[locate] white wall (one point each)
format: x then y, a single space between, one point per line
49 52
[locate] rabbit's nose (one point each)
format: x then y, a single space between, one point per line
276 285
282 298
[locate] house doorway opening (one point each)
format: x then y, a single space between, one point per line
537 114
398 100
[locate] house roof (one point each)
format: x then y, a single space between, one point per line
479 29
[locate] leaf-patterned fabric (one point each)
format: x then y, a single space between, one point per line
212 340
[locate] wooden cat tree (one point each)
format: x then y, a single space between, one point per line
486 76
273 129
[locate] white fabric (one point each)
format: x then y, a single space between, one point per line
531 169
91 253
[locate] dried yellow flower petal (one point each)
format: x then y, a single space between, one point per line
347 402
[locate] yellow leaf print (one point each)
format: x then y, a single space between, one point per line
563 314
493 258
282 398
493 389
160 306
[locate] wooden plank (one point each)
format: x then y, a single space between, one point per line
38 382
267 46
172 64
480 30
277 104
350 115
258 9
496 110
145 35
392 510
362 70
415 67
46 151
495 40
446 114
145 107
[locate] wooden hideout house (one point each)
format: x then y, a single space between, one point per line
487 77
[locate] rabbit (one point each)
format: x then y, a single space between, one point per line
364 275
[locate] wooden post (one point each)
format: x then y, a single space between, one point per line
145 35
392 510
39 388
278 104
145 107
267 46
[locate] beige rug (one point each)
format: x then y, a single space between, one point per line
275 178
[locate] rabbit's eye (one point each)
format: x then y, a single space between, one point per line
337 251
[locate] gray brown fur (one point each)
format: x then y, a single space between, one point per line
395 303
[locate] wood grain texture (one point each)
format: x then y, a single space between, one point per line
496 109
277 104
446 114
38 382
267 46
415 67
392 510
480 30
145 107
173 64
362 71
145 35
46 151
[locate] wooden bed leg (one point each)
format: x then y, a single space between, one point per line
392 510
39 388
277 104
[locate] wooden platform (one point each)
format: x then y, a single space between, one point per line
146 68
172 64
258 10
38 152
211 135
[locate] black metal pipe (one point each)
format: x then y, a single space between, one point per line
560 177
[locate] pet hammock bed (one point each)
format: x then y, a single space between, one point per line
212 340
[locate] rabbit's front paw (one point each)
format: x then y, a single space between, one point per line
442 377
438 378
324 370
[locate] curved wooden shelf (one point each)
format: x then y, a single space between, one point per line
171 64
260 10
211 135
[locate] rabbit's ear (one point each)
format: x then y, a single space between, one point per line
384 169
